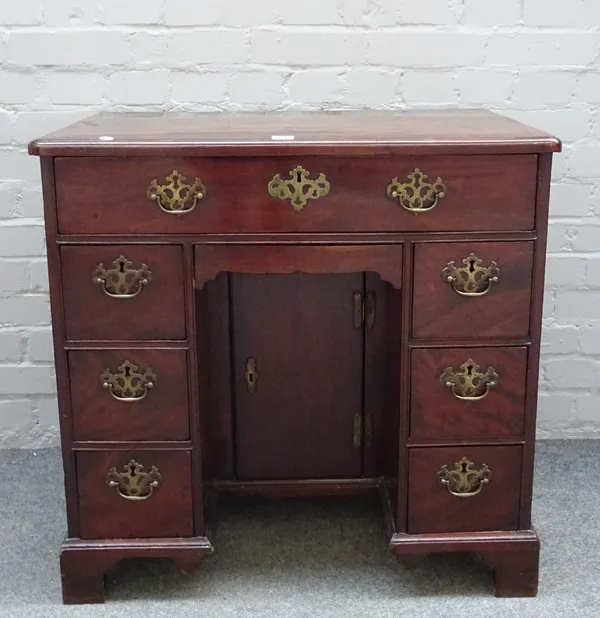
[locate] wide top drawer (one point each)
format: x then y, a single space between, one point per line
100 195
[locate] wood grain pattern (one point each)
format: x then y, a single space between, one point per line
105 514
436 413
439 312
83 564
514 556
162 415
431 508
158 312
483 193
299 421
497 176
354 132
385 260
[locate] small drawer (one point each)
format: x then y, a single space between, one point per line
134 494
130 395
103 195
123 292
464 489
469 290
467 392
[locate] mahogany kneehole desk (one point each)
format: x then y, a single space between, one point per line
353 308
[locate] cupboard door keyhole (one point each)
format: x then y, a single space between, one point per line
251 375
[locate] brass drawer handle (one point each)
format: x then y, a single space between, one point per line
464 481
133 483
469 384
128 385
300 188
417 195
176 197
122 281
472 279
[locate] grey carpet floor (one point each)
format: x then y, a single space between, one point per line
307 558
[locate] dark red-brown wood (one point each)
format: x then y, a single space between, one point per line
163 414
513 556
83 564
385 260
503 312
364 132
436 413
105 514
431 508
482 193
497 174
299 421
157 312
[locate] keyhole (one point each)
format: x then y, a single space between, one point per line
251 378
472 266
298 176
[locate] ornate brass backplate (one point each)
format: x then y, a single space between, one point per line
417 195
176 197
133 483
472 279
128 384
469 384
463 481
300 188
122 281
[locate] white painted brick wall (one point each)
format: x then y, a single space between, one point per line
535 60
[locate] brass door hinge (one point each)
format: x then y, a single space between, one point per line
357 430
368 431
360 434
364 310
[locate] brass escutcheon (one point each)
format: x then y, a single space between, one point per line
417 195
469 384
463 481
472 279
251 375
122 281
300 188
133 483
176 197
128 385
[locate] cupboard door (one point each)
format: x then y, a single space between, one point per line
298 371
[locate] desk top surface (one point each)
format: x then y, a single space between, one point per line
280 133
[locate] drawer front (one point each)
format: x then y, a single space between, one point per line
123 292
464 489
468 290
117 499
129 394
467 392
217 195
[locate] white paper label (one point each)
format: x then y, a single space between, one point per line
283 138
106 138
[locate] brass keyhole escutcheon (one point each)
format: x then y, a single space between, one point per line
134 483
472 279
300 188
416 194
469 384
251 375
464 481
175 196
130 383
122 281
